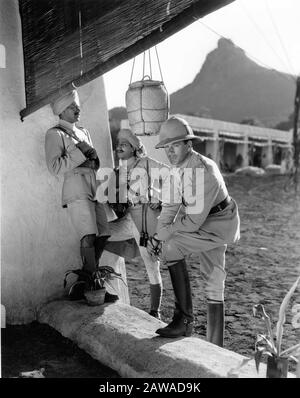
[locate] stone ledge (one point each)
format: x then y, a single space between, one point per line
123 338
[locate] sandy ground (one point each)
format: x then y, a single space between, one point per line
260 269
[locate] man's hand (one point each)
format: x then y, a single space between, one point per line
91 164
83 146
154 247
87 150
92 154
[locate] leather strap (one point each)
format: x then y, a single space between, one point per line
221 206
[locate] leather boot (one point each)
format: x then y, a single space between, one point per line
100 243
87 252
155 296
176 316
77 290
99 246
89 266
215 323
182 323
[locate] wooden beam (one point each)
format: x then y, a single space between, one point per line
296 139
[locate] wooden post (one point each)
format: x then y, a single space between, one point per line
296 141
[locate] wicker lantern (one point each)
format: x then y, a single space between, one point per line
147 104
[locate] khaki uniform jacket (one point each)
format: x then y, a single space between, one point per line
64 158
139 189
222 227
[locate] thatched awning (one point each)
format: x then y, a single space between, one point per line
75 41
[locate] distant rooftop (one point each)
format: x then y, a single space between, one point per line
235 129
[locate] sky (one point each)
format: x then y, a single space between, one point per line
268 31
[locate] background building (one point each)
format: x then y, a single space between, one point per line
232 145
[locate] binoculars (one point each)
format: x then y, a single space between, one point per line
144 239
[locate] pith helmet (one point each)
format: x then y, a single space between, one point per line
173 130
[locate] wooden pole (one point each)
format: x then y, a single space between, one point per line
296 140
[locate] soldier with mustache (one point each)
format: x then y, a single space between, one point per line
70 153
134 181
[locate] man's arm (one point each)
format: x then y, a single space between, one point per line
94 161
59 158
197 212
166 219
171 197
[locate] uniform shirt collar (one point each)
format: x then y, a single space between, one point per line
70 126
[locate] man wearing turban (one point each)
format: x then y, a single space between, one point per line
70 153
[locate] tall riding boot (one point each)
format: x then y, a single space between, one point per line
182 323
88 259
155 296
215 323
99 248
87 252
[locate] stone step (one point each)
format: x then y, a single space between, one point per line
123 337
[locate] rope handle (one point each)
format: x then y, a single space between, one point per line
150 66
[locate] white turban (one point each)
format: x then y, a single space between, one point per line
59 105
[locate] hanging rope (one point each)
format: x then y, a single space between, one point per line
263 36
132 70
159 64
150 66
144 59
279 38
80 43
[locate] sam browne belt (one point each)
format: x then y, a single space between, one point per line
221 206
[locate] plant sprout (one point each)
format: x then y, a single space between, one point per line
96 280
269 344
266 343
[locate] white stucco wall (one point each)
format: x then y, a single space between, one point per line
37 240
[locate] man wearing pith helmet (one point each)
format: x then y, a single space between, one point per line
70 153
198 225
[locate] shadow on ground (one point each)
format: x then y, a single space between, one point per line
25 348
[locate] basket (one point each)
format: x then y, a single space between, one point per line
95 297
147 104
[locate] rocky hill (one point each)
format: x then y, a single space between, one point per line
232 87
